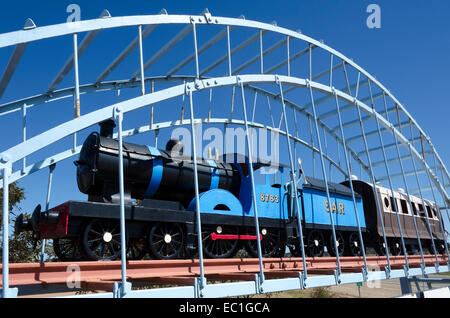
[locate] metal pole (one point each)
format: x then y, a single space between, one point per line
372 177
440 214
421 196
288 56
294 183
141 61
24 134
77 84
313 152
261 54
197 199
5 243
119 118
228 51
250 164
194 32
349 173
333 231
404 180
389 178
47 202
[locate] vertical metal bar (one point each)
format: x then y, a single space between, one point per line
296 131
349 173
313 152
47 203
24 134
310 62
261 54
331 70
270 112
441 221
232 102
250 164
210 104
421 196
326 151
141 61
372 176
294 182
5 223
346 77
333 230
119 118
229 50
152 107
404 180
254 107
288 55
77 84
194 32
397 211
197 200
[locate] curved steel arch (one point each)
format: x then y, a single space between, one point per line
200 81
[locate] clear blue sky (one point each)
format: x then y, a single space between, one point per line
409 55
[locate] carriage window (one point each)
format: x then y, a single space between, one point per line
404 206
393 205
429 212
421 212
386 202
434 213
414 209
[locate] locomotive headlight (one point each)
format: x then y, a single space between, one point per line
264 231
219 229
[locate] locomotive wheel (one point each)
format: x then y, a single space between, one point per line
166 240
67 249
380 246
136 249
440 247
219 248
271 243
354 244
395 247
315 244
340 242
101 240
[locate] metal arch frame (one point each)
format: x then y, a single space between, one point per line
38 33
28 147
71 127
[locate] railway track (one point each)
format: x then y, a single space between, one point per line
103 274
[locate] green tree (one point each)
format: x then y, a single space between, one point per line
22 246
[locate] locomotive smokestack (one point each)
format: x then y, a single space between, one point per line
107 128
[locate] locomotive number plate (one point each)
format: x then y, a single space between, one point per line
264 197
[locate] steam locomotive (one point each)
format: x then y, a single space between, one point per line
160 209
